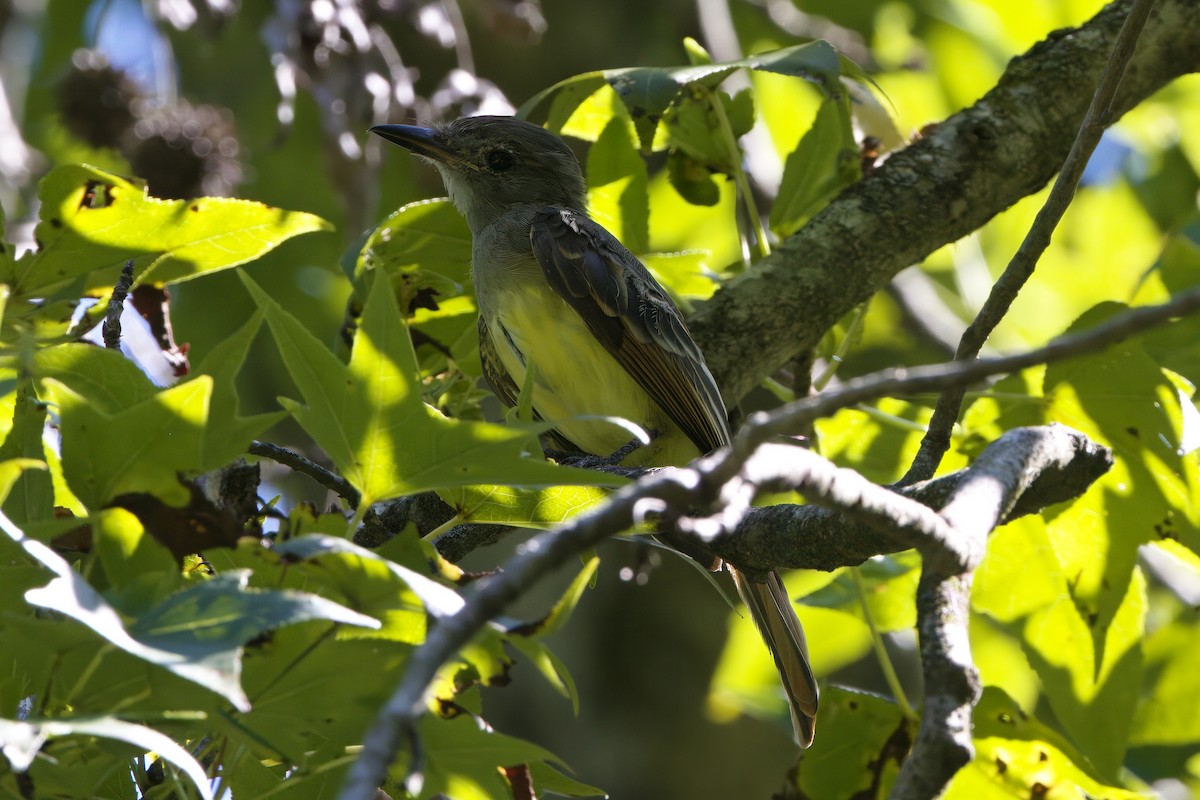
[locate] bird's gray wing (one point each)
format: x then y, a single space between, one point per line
629 313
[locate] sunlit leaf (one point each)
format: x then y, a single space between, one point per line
617 181
1018 757
822 164
438 600
370 418
29 497
1166 717
463 759
746 679
863 742
647 92
1091 689
228 439
890 584
93 222
521 507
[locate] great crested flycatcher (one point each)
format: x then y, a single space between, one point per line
559 292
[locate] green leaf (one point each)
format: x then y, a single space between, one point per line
547 778
123 435
1092 688
438 600
30 497
143 448
1122 398
1018 757
197 633
891 585
693 180
11 470
126 550
1167 717
822 165
863 741
528 637
746 680
92 222
109 380
695 52
425 250
647 92
879 440
425 247
521 507
370 419
21 740
231 434
694 126
464 759
550 666
617 185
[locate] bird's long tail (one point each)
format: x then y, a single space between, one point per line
776 619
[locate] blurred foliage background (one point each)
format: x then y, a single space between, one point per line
271 101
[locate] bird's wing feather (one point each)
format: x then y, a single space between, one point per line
627 311
505 389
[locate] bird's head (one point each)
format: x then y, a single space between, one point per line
490 164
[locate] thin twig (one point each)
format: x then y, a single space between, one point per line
111 328
918 380
1098 117
290 458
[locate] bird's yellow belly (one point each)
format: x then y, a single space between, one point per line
575 377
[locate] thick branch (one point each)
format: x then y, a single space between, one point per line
968 169
952 685
1061 462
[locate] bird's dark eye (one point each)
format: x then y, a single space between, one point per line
500 160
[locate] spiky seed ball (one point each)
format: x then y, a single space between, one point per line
96 101
185 151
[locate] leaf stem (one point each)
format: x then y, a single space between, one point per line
739 174
87 672
885 661
457 519
852 335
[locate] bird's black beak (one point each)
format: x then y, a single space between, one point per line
419 141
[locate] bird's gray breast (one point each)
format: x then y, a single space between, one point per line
501 258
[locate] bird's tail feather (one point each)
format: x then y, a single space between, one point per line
776 619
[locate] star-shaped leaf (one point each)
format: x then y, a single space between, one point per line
370 419
197 633
92 222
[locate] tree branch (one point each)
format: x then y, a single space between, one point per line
969 168
727 480
1062 462
290 458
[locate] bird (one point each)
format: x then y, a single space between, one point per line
558 294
